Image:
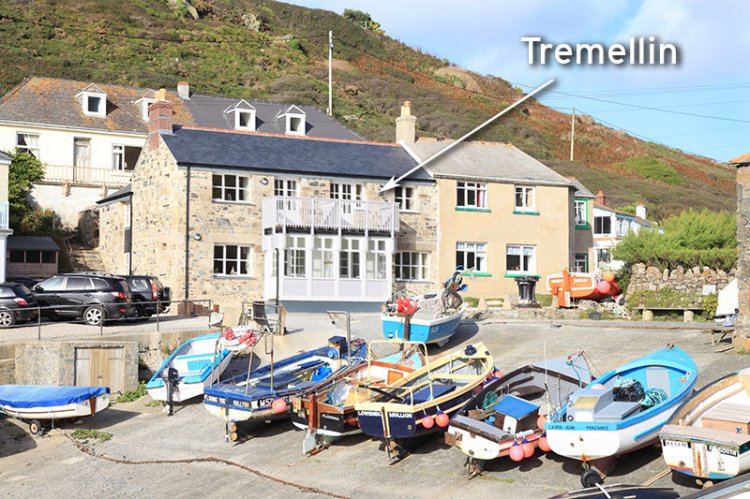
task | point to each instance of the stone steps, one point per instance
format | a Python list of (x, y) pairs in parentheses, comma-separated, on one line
[(86, 259)]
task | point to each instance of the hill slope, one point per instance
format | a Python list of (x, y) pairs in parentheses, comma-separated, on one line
[(267, 50)]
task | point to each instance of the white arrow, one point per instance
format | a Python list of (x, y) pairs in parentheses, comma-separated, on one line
[(394, 182)]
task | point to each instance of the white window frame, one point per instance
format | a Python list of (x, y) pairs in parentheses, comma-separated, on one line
[(34, 151), (237, 260), (603, 217), (577, 267), (101, 112), (476, 189), (584, 220), (522, 253), (323, 258), (238, 190), (350, 262), (295, 257), (121, 155), (339, 191), (145, 102), (376, 260), (415, 263), (238, 119), (302, 124), (525, 192), (479, 251), (404, 196), (285, 187), (606, 252)]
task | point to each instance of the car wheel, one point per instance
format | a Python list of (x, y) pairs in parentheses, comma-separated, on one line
[(93, 316), (7, 318)]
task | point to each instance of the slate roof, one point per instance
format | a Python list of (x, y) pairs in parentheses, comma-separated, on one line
[(581, 191), (52, 101), (41, 243), (4, 158), (491, 161), (283, 154), (115, 196)]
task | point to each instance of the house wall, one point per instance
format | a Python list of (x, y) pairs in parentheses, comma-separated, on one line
[(42, 270), (584, 236), (550, 231), (112, 220), (68, 202)]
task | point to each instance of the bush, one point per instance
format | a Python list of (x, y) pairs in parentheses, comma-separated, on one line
[(132, 395), (652, 169), (25, 169), (362, 19)]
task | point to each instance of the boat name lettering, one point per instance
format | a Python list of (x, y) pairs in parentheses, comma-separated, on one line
[(372, 414), (723, 450), (240, 403), (214, 399), (676, 443), (328, 416), (400, 415)]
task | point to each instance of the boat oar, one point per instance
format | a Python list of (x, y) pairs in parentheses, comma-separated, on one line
[(376, 390)]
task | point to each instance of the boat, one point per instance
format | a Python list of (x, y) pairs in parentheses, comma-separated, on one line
[(431, 317), (620, 490), (736, 487), (621, 410), (38, 405), (568, 286), (198, 363), (708, 436), (326, 411), (423, 401), (265, 393), (506, 413)]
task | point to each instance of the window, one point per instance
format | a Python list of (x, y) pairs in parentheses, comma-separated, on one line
[(471, 195), (139, 284), (295, 264), (95, 104), (525, 198), (100, 284), (285, 187), (581, 262), (28, 142), (323, 258), (520, 259), (33, 256), (295, 124), (602, 255), (232, 260), (411, 266), (349, 259), (231, 188), (472, 256), (244, 120), (17, 256), (78, 284), (351, 192), (375, 263), (582, 215), (82, 152), (404, 198), (144, 107), (118, 157), (52, 284), (603, 225)]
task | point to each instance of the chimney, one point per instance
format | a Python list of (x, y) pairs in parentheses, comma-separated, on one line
[(600, 197), (183, 90), (406, 125), (159, 119), (640, 211)]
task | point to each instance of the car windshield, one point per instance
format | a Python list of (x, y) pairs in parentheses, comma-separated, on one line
[(22, 290), (6, 292)]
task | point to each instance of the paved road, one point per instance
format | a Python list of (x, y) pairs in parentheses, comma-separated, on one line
[(53, 466)]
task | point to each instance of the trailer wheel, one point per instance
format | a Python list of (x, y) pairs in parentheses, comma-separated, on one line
[(590, 478), (36, 428)]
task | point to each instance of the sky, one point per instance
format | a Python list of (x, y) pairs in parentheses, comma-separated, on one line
[(712, 79)]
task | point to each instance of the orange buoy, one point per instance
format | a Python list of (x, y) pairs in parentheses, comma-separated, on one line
[(609, 276), (516, 452), (278, 406), (528, 448), (442, 420), (428, 422), (540, 422), (544, 444)]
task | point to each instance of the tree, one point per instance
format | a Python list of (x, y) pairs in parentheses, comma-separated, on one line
[(25, 169), (363, 19)]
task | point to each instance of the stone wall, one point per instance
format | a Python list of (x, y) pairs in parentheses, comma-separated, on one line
[(650, 278), (743, 247), (111, 236), (418, 231)]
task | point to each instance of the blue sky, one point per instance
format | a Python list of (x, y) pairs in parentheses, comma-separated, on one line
[(713, 78)]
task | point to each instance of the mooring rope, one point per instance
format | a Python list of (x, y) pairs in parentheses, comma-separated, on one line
[(207, 459)]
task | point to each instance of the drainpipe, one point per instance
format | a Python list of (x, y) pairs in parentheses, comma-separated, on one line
[(130, 218), (187, 234), (278, 264)]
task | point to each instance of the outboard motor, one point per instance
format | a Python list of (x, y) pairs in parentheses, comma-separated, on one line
[(170, 376)]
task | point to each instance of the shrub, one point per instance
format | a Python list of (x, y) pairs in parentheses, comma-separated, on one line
[(132, 395), (652, 169), (25, 169), (86, 434), (362, 19)]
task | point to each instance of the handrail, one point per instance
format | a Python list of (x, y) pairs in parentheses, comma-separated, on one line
[(330, 214)]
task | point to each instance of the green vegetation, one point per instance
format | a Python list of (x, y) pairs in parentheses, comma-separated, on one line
[(669, 298), (132, 395), (363, 19), (154, 403), (651, 169), (86, 434), (692, 238), (24, 170)]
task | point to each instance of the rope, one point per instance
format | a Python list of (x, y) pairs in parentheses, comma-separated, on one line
[(207, 459)]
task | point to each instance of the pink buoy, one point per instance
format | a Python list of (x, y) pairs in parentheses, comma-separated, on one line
[(278, 406), (428, 422), (603, 287), (442, 420), (528, 448), (540, 422), (516, 452), (544, 443)]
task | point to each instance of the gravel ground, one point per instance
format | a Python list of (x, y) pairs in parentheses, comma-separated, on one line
[(271, 453)]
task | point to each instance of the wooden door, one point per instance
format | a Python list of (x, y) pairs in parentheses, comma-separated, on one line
[(100, 366)]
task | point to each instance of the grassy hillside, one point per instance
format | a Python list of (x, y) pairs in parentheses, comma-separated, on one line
[(261, 49)]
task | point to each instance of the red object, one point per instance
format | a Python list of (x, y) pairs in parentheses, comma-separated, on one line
[(351, 421), (544, 444), (428, 422), (20, 301), (609, 276), (229, 334), (154, 291), (118, 294), (406, 306), (442, 420), (516, 452), (528, 448), (603, 287), (278, 406)]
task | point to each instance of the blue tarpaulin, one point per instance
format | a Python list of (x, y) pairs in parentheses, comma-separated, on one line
[(515, 407), (25, 396)]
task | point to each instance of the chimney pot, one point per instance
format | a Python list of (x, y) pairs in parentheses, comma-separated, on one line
[(406, 125), (406, 108), (600, 197), (640, 211), (160, 118), (183, 90)]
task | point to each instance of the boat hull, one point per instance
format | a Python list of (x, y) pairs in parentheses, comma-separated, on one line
[(485, 449), (81, 409), (188, 390), (421, 330), (704, 458)]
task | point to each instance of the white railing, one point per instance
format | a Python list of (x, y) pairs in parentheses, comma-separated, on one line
[(86, 175), (4, 215), (329, 214)]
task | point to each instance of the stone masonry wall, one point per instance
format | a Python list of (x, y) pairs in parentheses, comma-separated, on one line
[(112, 219), (419, 231), (650, 278)]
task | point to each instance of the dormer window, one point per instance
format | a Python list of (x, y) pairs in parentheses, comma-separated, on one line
[(244, 115), (144, 107), (93, 101), (294, 120)]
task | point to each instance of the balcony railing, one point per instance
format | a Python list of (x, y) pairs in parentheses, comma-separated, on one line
[(86, 175), (329, 214), (4, 215)]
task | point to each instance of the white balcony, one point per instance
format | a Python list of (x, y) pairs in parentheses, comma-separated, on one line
[(281, 214), (79, 175)]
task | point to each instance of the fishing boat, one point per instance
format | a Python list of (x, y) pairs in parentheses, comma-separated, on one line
[(504, 418), (622, 410), (46, 404), (423, 401), (198, 362), (326, 411), (620, 490), (569, 286), (431, 317), (264, 393), (708, 437)]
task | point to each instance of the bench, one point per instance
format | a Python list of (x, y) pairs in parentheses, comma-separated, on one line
[(688, 313), (719, 334)]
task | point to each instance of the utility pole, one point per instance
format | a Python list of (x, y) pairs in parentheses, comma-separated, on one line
[(330, 73), (572, 132)]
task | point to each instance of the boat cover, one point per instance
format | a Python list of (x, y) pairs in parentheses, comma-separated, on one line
[(25, 396)]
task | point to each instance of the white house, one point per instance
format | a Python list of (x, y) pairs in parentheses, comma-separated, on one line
[(5, 231), (609, 227)]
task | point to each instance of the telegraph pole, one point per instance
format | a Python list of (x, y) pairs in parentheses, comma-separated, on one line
[(572, 132), (330, 73)]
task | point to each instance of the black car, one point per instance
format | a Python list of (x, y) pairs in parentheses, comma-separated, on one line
[(17, 304), (148, 292), (90, 296)]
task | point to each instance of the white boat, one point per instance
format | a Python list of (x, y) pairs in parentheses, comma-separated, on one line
[(199, 363), (51, 403), (708, 435)]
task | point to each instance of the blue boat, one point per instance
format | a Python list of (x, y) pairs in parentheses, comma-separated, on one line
[(622, 410), (265, 393)]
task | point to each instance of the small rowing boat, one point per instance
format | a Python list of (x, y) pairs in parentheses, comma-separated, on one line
[(38, 404)]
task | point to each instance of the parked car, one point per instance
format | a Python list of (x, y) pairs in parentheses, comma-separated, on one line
[(91, 296), (17, 304), (147, 292), (29, 282)]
